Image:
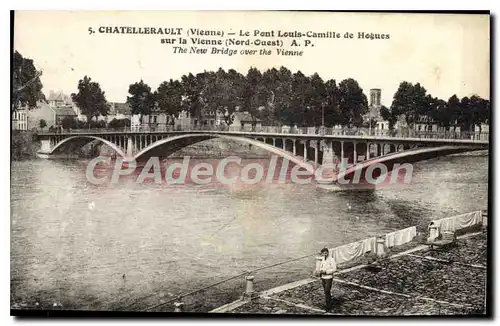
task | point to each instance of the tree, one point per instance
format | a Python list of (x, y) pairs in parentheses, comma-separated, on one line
[(141, 100), (119, 123), (280, 86), (387, 115), (440, 113), (230, 87), (465, 117), (26, 84), (43, 123), (253, 95), (411, 101), (353, 103), (331, 107), (223, 93), (169, 97), (480, 110), (67, 122), (90, 99), (316, 100), (454, 109), (191, 95)]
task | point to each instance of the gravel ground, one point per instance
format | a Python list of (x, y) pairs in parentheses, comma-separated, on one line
[(471, 250), (350, 300), (264, 306), (413, 276)]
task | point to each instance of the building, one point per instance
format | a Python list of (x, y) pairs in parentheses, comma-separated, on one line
[(183, 121), (245, 120), (374, 105), (20, 119), (425, 125), (156, 120), (205, 119), (53, 116), (381, 127), (57, 107), (63, 112), (42, 111), (482, 132), (119, 111)]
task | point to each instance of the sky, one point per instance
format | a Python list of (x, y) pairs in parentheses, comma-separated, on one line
[(447, 53)]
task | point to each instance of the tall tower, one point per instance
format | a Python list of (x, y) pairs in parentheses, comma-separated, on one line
[(375, 97)]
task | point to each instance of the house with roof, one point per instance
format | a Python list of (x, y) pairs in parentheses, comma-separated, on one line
[(62, 112), (245, 120), (57, 107), (240, 120), (119, 111), (156, 120)]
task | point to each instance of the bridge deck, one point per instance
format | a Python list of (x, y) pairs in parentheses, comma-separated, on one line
[(276, 135)]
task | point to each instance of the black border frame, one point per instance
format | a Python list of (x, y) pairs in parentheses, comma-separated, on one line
[(26, 314)]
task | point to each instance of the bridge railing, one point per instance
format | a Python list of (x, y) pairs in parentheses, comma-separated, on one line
[(465, 135)]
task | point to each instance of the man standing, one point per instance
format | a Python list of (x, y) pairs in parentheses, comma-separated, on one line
[(325, 269)]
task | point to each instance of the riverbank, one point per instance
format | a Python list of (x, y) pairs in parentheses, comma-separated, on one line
[(414, 282), (23, 145)]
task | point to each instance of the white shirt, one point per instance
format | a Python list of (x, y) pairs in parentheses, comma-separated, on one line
[(329, 266)]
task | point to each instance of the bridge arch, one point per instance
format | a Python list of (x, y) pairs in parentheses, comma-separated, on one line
[(407, 156), (82, 140), (175, 143)]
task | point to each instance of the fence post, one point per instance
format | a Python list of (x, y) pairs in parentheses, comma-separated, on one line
[(433, 232), (380, 246), (484, 214), (249, 290), (179, 306)]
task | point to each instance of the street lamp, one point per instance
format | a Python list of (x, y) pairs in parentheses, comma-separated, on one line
[(322, 119)]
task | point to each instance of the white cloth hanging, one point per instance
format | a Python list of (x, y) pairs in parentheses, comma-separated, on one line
[(400, 237), (353, 250), (458, 222)]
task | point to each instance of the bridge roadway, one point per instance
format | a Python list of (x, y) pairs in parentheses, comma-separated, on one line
[(307, 150)]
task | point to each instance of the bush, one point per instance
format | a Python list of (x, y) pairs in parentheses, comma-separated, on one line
[(119, 123), (68, 122)]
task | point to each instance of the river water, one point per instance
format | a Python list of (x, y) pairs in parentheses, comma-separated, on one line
[(123, 245)]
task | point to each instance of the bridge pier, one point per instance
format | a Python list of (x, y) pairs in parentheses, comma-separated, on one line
[(328, 175), (46, 145), (129, 146)]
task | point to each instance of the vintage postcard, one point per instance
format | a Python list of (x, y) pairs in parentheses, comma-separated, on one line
[(260, 162)]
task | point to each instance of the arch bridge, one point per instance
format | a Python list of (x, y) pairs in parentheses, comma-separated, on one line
[(310, 151)]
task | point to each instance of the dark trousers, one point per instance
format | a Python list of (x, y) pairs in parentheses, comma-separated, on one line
[(327, 286)]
